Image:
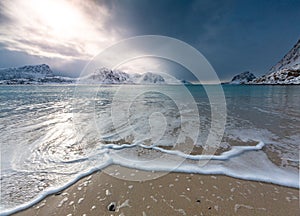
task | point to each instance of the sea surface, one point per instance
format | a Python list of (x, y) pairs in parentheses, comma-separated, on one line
[(52, 135)]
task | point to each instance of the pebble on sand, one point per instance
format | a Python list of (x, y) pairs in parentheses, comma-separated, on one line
[(111, 206)]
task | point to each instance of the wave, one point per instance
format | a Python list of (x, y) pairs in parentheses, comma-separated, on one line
[(50, 144)]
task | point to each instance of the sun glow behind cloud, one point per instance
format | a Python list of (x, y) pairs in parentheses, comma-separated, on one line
[(56, 28)]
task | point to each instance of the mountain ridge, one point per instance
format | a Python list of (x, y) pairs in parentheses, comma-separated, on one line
[(30, 74), (285, 72), (107, 76), (242, 78), (42, 74)]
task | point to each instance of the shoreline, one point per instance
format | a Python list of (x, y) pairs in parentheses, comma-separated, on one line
[(170, 194)]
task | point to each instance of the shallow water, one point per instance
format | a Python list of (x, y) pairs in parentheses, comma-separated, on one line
[(53, 135)]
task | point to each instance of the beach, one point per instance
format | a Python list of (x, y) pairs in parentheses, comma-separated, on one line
[(170, 194), (61, 158)]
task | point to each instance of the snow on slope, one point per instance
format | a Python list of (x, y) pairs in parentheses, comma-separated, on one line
[(26, 72), (286, 71), (283, 76), (107, 76), (242, 78), (30, 74), (290, 61), (42, 74), (148, 78)]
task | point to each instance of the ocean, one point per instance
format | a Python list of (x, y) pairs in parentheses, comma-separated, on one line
[(53, 135)]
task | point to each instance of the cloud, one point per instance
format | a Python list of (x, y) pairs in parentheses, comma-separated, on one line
[(233, 35), (56, 28)]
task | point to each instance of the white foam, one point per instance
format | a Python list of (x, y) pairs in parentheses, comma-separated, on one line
[(244, 162), (52, 190)]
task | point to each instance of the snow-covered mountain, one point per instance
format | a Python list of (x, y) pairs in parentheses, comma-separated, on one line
[(283, 76), (290, 61), (26, 72), (42, 74), (107, 76), (30, 74), (242, 78), (286, 71), (148, 78)]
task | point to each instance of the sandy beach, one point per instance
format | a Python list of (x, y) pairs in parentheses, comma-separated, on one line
[(106, 193)]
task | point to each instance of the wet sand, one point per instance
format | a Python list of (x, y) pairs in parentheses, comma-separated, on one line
[(170, 194)]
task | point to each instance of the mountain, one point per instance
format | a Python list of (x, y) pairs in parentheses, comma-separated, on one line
[(30, 74), (107, 76), (286, 71), (42, 74), (283, 77), (290, 61), (148, 78), (26, 72), (242, 78)]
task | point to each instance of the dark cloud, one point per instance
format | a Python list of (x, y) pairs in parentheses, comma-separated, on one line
[(71, 68), (185, 19), (16, 58), (233, 35), (3, 17)]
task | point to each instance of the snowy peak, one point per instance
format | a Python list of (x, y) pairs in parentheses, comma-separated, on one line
[(286, 71), (37, 69), (108, 76), (42, 74), (149, 78), (26, 72), (290, 61), (30, 74), (243, 78), (105, 75), (283, 76)]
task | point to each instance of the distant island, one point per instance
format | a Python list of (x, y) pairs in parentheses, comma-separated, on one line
[(286, 71)]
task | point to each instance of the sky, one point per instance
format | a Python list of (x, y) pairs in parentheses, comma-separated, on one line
[(233, 35)]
